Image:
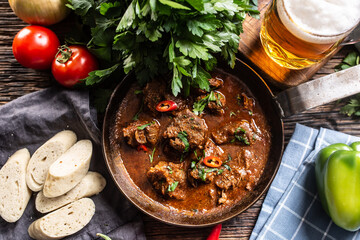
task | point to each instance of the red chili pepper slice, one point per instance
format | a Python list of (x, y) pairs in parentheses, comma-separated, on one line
[(142, 147), (212, 161), (215, 232), (166, 106)]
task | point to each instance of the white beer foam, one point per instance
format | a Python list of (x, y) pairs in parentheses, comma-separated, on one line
[(319, 21)]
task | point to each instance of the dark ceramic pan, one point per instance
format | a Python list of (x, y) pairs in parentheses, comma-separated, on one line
[(274, 114)]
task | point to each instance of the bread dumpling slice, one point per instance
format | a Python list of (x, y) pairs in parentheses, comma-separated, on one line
[(64, 221), (91, 184), (14, 193), (68, 170), (46, 155)]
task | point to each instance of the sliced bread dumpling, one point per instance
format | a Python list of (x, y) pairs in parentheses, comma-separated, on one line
[(46, 155), (68, 170), (14, 193), (93, 183), (64, 221)]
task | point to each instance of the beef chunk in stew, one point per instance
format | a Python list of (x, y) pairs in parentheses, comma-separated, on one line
[(231, 178), (247, 102), (202, 172), (142, 132), (249, 159), (218, 105), (238, 131), (215, 101), (180, 102), (214, 83), (168, 179), (186, 131), (153, 94)]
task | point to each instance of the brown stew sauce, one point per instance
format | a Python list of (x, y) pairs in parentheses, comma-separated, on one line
[(204, 196)]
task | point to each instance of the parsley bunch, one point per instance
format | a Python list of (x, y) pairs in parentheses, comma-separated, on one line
[(154, 37)]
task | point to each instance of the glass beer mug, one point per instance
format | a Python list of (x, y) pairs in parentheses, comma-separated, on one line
[(299, 33)]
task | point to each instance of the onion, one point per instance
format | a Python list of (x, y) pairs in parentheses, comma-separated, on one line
[(40, 12)]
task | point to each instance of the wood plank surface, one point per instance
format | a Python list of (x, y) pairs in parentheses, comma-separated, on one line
[(16, 81), (251, 49)]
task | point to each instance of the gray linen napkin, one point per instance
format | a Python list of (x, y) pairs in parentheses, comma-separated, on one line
[(31, 120)]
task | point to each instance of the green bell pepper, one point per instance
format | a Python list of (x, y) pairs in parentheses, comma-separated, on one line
[(337, 169)]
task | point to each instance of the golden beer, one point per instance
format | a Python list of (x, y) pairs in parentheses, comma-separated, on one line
[(295, 43)]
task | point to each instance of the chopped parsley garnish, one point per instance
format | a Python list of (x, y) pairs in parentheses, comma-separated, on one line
[(240, 136), (136, 92), (220, 171), (193, 164), (200, 105), (172, 186), (250, 113), (142, 127), (227, 167), (197, 157), (170, 169), (218, 96), (240, 130), (151, 156), (232, 114), (203, 172), (242, 139), (183, 137), (228, 159)]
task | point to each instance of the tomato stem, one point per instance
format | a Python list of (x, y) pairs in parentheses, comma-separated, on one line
[(64, 53)]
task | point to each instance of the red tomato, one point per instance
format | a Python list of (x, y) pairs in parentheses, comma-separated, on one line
[(35, 47), (73, 64)]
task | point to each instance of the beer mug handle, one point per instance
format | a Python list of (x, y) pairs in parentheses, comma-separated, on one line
[(320, 91)]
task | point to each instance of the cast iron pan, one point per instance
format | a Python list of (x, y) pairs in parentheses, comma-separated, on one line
[(123, 181)]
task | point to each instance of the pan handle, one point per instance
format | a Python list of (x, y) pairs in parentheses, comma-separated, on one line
[(320, 91)]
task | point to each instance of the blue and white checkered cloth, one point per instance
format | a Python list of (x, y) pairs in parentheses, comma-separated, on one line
[(292, 209)]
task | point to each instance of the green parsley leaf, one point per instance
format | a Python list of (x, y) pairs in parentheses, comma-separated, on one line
[(172, 186), (99, 75), (193, 164), (352, 107), (350, 60), (183, 137), (170, 169), (200, 105), (242, 139), (151, 156), (227, 167), (173, 4), (232, 114), (142, 127)]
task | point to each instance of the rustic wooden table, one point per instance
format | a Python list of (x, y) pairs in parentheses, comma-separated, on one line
[(16, 81)]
